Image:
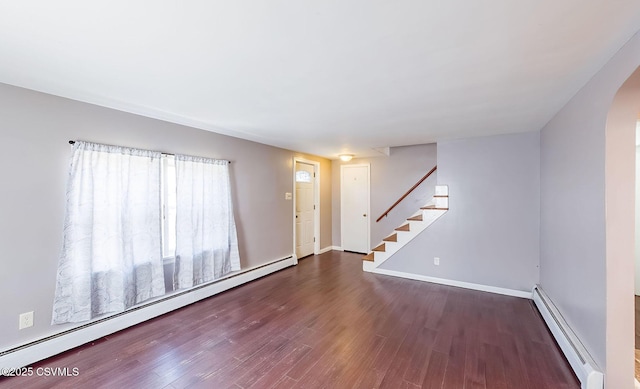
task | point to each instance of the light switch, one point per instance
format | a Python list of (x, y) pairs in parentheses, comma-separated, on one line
[(288, 196)]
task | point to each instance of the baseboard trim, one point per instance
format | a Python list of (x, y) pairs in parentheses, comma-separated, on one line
[(40, 349), (459, 284), (574, 351), (330, 248), (325, 250)]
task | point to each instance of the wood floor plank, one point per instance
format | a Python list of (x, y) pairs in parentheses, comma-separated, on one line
[(313, 357), (454, 373), (335, 360), (408, 350), (325, 323), (234, 371), (495, 369), (361, 361), (474, 369), (513, 368), (389, 350), (258, 369), (435, 371), (417, 366), (282, 366), (285, 383)]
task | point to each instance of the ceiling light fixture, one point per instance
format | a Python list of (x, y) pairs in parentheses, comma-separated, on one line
[(346, 157)]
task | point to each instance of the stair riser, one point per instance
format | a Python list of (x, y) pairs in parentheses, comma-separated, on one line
[(441, 202), (442, 190), (368, 266)]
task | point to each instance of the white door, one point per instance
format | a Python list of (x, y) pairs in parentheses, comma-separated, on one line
[(305, 214), (354, 207)]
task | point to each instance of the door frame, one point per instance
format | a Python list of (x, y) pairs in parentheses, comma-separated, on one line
[(342, 167), (316, 201)]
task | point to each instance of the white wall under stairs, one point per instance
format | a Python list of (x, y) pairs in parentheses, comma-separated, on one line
[(418, 222)]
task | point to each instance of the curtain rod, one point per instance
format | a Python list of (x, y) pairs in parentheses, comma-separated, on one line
[(72, 142)]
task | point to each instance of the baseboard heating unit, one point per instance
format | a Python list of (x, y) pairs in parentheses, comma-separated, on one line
[(581, 362), (37, 350)]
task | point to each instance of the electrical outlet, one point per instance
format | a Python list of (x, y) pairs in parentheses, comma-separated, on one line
[(26, 320), (436, 261)]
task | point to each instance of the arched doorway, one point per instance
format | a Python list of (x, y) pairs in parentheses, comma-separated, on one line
[(620, 153)]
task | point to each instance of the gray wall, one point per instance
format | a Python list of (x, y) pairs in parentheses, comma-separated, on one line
[(391, 177), (490, 235), (34, 130), (573, 259)]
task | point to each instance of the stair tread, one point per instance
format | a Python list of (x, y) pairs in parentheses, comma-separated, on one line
[(391, 238), (380, 248), (434, 208), (403, 228), (417, 218), (368, 257)]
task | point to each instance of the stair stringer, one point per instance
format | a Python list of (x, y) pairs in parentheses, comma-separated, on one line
[(429, 216)]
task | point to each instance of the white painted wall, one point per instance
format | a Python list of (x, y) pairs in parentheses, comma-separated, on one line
[(34, 131), (592, 287), (490, 235)]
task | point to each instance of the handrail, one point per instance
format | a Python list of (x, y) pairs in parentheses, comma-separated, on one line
[(407, 193)]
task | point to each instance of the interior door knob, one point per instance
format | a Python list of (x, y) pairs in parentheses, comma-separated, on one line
[(364, 214)]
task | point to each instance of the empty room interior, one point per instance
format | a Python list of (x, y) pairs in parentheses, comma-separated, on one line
[(320, 194)]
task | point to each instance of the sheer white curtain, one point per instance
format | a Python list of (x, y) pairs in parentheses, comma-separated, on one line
[(206, 244), (112, 252)]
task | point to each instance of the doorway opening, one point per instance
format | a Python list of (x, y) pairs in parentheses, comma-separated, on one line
[(620, 216)]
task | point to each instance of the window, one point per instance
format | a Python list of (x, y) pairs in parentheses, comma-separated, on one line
[(206, 241), (303, 176), (127, 209), (198, 227), (111, 257)]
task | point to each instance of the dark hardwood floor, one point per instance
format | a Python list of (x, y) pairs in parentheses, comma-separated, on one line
[(325, 323)]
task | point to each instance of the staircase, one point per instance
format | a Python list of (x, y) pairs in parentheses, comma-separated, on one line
[(413, 226)]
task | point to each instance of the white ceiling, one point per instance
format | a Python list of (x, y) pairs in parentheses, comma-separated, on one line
[(319, 76)]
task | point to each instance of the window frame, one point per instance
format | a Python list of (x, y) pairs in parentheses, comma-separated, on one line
[(168, 204)]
